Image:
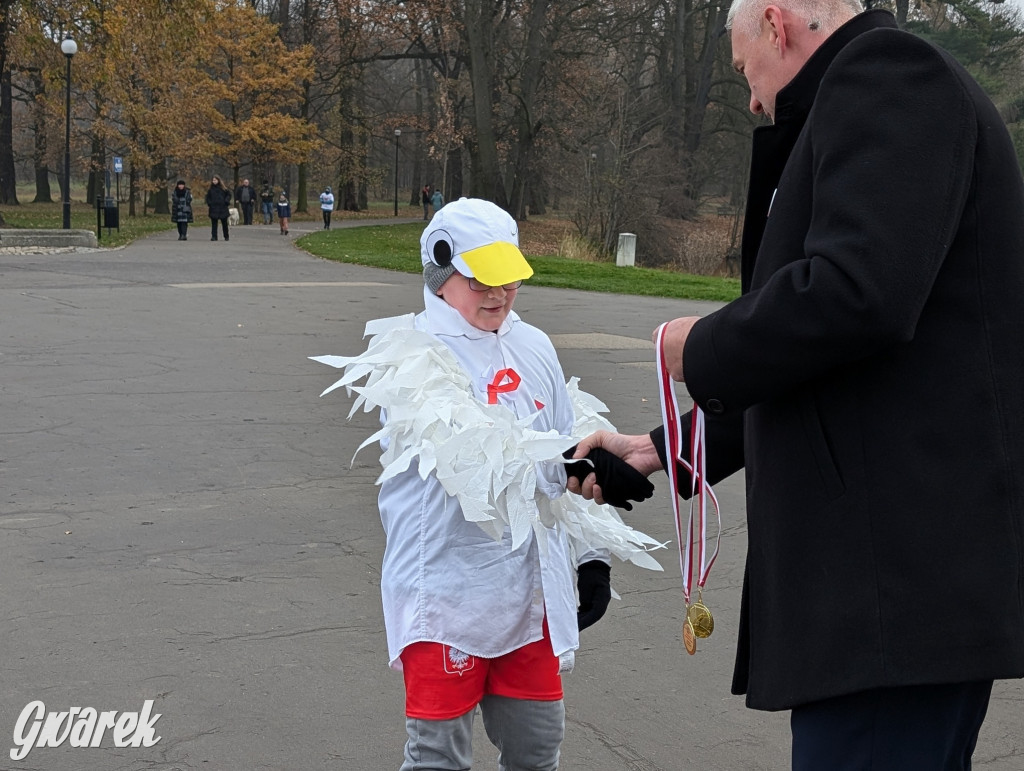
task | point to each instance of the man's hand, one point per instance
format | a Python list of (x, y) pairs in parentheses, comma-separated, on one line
[(637, 451), (676, 333)]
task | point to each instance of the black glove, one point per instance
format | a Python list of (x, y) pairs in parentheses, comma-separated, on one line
[(594, 582), (619, 481)]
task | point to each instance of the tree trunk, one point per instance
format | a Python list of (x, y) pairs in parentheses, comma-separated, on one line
[(133, 188), (535, 58), (902, 8), (453, 181), (479, 32), (418, 180), (363, 198), (39, 140), (698, 103), (284, 20), (8, 181), (302, 195), (97, 169), (161, 199)]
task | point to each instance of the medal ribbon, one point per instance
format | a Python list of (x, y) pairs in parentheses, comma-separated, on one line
[(505, 381), (700, 491)]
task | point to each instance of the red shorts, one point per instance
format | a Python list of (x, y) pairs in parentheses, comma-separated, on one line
[(442, 682)]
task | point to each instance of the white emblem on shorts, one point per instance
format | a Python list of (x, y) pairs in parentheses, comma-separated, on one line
[(456, 662)]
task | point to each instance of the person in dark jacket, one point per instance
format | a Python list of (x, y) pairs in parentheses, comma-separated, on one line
[(245, 196), (425, 197), (267, 202), (181, 208), (218, 199), (869, 381), (284, 212)]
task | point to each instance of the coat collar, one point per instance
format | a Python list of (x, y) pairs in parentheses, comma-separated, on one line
[(795, 99), (773, 143), (445, 321)]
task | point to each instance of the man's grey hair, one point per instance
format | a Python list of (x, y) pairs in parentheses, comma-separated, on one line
[(824, 16)]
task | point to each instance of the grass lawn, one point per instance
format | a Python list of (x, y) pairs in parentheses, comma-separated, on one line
[(83, 217), (397, 247)]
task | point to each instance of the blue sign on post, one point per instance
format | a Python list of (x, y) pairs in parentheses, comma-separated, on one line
[(118, 166)]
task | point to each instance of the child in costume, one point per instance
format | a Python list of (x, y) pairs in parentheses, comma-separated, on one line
[(477, 580)]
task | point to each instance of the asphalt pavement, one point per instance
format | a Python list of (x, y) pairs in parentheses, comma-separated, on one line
[(180, 526)]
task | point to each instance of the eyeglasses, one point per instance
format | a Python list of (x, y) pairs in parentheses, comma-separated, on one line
[(477, 286)]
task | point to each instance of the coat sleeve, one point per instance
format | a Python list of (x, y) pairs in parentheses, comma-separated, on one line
[(892, 135), (724, 440)]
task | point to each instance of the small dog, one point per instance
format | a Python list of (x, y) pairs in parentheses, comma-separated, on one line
[(232, 215)]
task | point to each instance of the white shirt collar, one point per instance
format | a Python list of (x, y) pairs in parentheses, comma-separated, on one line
[(444, 320)]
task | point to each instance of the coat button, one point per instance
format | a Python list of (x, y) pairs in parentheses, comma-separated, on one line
[(715, 407)]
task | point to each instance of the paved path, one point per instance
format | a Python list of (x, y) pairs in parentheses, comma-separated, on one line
[(179, 523)]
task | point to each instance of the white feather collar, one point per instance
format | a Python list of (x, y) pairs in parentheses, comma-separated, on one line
[(481, 454)]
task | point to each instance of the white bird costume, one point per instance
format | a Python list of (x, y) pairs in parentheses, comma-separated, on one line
[(472, 496)]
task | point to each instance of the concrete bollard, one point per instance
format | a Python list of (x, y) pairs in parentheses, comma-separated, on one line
[(626, 253)]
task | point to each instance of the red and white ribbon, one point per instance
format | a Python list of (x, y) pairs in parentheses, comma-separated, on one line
[(700, 491), (505, 381)]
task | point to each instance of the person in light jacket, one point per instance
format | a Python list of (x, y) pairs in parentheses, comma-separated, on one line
[(327, 206)]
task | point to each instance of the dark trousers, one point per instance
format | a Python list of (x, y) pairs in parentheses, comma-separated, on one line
[(182, 229), (224, 225), (925, 727), (327, 218), (247, 207)]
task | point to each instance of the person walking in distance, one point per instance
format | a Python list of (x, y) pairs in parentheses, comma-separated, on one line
[(284, 212), (218, 199), (245, 195), (425, 196), (181, 208), (327, 206), (267, 202)]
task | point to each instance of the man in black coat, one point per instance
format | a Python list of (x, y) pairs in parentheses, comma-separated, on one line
[(245, 196), (870, 380)]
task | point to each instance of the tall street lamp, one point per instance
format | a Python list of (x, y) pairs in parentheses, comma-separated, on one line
[(398, 133), (69, 47)]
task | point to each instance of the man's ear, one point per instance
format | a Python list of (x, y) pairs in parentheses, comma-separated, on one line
[(774, 21)]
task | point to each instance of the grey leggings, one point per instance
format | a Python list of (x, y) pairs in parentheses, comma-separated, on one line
[(528, 735)]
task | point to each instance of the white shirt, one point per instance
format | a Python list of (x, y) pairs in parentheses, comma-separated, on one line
[(443, 579), (327, 201)]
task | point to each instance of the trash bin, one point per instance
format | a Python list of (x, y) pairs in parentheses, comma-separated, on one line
[(111, 214)]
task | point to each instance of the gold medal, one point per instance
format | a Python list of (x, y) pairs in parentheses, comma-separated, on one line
[(700, 618), (689, 640)]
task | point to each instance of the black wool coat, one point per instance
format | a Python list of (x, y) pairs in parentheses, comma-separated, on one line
[(218, 198), (871, 379)]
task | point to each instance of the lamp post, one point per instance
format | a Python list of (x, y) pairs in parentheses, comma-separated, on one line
[(69, 48), (398, 133)]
